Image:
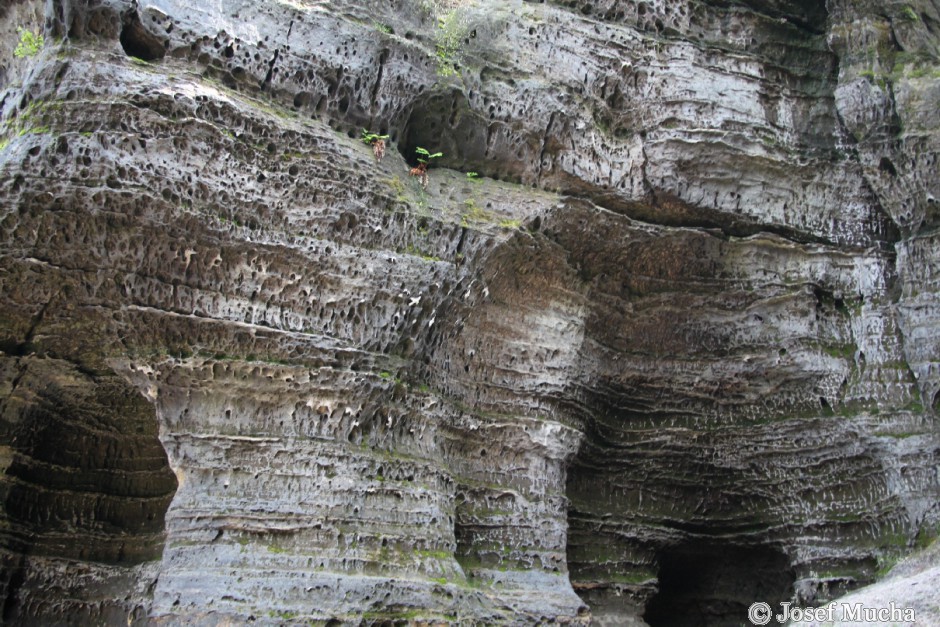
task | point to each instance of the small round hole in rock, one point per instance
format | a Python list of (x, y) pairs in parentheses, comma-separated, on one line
[(887, 167)]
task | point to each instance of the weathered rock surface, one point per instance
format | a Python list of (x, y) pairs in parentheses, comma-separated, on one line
[(908, 587), (672, 351)]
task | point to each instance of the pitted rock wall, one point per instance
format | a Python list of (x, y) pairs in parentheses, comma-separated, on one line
[(683, 313)]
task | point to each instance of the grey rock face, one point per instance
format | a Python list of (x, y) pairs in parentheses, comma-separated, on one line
[(907, 589), (684, 314)]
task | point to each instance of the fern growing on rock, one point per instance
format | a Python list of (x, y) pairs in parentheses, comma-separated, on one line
[(421, 170)]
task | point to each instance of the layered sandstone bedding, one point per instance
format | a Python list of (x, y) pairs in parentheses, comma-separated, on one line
[(658, 340)]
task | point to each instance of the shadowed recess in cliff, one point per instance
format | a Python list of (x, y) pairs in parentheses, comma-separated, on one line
[(138, 42), (706, 582), (86, 481), (445, 121)]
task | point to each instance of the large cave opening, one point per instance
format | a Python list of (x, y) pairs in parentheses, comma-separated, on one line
[(85, 488), (705, 582)]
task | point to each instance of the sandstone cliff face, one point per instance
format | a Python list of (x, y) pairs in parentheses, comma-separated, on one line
[(673, 350)]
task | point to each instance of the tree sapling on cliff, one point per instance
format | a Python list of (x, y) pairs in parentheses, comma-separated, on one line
[(376, 141), (421, 171)]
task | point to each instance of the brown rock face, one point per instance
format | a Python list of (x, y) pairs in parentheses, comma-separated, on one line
[(658, 340)]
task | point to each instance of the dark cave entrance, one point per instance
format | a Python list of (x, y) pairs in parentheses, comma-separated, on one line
[(444, 121), (705, 583), (430, 125), (138, 42), (87, 482)]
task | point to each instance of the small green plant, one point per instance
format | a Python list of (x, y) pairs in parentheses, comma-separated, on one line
[(474, 213), (417, 252), (424, 160), (30, 43), (473, 176), (909, 14), (451, 30), (376, 141), (398, 188)]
